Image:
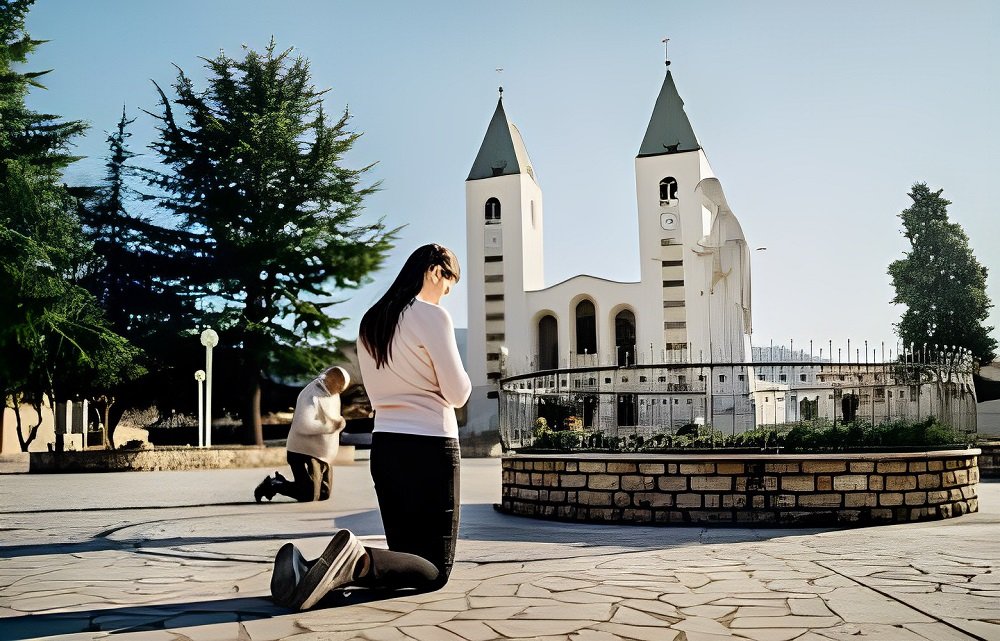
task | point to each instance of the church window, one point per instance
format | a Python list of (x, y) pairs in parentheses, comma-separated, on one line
[(586, 328), (548, 343), (625, 337), (668, 189), (492, 211)]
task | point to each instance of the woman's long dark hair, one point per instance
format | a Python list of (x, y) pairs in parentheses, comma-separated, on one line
[(378, 325)]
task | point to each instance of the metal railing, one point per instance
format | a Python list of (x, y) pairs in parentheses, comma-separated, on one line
[(737, 396)]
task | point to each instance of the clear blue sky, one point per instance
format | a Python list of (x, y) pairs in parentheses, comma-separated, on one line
[(817, 118)]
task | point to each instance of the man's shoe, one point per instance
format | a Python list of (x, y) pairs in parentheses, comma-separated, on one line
[(333, 569), (289, 568), (264, 489)]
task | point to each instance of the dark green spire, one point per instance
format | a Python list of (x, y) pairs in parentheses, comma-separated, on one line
[(669, 129), (502, 152)]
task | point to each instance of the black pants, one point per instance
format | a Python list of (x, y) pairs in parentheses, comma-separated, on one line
[(312, 479), (417, 483)]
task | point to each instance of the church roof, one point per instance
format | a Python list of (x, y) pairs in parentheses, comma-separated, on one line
[(669, 129), (503, 152)]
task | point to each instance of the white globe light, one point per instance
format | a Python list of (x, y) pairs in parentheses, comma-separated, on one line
[(199, 375), (209, 338)]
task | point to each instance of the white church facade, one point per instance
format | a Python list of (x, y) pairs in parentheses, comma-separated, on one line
[(691, 304)]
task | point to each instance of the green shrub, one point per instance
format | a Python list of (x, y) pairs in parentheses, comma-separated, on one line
[(561, 440), (813, 436)]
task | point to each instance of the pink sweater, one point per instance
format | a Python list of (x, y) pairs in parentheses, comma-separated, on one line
[(417, 391)]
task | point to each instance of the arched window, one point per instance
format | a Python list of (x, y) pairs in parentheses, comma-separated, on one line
[(625, 337), (492, 211), (548, 342), (586, 328), (668, 188)]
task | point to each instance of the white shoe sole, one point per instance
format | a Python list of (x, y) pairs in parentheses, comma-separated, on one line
[(334, 568)]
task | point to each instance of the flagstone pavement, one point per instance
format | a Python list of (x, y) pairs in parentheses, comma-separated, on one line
[(177, 556)]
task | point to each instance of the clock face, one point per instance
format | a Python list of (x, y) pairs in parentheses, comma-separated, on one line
[(668, 221)]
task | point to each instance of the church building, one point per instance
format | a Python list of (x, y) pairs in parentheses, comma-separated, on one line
[(691, 304)]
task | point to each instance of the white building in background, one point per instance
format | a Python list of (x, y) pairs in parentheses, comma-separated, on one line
[(691, 304)]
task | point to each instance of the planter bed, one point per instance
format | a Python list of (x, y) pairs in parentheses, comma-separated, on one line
[(826, 489)]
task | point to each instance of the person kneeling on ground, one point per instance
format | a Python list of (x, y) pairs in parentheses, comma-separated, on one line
[(313, 441), (414, 378)]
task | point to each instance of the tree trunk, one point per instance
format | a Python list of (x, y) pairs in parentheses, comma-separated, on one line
[(252, 428), (33, 431), (17, 418), (103, 405)]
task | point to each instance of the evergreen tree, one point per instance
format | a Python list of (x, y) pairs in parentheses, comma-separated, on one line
[(256, 168), (130, 274), (54, 341), (939, 280)]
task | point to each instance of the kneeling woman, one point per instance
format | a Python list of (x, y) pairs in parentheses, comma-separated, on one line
[(414, 377)]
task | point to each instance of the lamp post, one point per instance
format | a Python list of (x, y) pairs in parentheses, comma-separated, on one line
[(200, 377), (209, 338)]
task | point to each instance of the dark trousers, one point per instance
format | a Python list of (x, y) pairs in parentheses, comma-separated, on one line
[(312, 479), (417, 483)]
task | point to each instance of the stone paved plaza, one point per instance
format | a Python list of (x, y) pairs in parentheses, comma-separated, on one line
[(174, 556)]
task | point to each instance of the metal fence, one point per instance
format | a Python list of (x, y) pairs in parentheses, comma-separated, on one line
[(737, 396)]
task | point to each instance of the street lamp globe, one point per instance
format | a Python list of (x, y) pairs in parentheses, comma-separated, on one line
[(199, 375), (209, 338)]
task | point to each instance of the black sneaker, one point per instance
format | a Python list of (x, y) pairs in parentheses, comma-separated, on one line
[(333, 569), (264, 490), (289, 568)]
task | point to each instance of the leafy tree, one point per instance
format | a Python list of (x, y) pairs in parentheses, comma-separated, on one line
[(256, 168), (53, 339), (940, 281)]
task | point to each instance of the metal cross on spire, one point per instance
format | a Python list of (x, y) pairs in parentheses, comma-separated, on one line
[(500, 71), (666, 56)]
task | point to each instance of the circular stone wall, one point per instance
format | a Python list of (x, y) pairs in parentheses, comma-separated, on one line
[(742, 489)]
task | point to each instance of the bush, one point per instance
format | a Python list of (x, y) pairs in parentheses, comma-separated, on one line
[(561, 440), (815, 436)]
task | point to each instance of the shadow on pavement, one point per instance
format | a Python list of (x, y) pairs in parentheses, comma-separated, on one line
[(481, 522), (145, 618), (101, 544), (138, 618)]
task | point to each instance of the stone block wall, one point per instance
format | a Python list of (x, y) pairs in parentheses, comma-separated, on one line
[(787, 489), (167, 458)]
